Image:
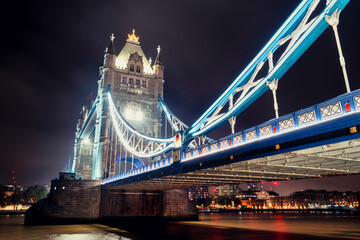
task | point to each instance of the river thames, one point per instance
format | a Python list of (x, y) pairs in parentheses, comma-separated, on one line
[(216, 226)]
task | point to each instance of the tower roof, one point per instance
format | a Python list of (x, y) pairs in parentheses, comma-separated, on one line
[(132, 45)]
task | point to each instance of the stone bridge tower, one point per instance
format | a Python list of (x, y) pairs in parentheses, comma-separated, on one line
[(135, 85)]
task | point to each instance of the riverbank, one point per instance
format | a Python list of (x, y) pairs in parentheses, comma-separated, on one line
[(12, 212)]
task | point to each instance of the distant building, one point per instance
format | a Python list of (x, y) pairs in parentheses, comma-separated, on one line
[(226, 190), (198, 192), (322, 198), (255, 198)]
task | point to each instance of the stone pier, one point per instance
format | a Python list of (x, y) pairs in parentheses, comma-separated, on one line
[(84, 201)]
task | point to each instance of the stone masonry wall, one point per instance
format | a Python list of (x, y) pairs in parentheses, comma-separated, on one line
[(76, 198), (177, 205), (126, 203), (85, 200), (172, 204)]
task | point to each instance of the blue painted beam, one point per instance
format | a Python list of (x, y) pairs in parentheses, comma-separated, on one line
[(291, 56), (319, 128)]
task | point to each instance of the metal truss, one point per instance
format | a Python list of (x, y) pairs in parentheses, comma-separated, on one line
[(284, 48), (335, 159), (175, 123), (134, 141), (178, 126)]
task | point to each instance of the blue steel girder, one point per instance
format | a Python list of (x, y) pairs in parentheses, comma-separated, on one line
[(299, 32), (334, 121), (178, 126)]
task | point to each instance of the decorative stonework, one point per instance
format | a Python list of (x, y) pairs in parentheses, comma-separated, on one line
[(213, 146), (224, 144), (131, 79), (357, 101), (265, 130), (237, 139), (205, 150), (132, 37), (286, 124), (307, 117), (250, 135), (331, 110)]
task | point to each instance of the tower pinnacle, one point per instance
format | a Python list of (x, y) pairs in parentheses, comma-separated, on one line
[(158, 59), (110, 48), (112, 37), (133, 38)]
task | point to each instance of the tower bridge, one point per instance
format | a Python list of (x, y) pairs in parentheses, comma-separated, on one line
[(123, 139), (319, 141), (140, 164)]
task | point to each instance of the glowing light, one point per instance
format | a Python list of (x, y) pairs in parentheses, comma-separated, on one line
[(86, 141), (133, 115), (133, 37), (161, 148)]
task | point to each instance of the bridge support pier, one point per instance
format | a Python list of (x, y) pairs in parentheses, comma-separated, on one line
[(83, 201)]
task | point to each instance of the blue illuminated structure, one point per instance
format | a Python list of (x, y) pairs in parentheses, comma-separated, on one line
[(299, 32), (329, 122), (292, 39)]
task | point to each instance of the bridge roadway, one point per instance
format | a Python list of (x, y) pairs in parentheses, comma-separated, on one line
[(319, 141)]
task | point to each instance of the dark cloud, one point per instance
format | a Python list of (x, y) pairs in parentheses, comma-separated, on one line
[(51, 53)]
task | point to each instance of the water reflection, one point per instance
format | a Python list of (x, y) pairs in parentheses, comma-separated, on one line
[(320, 224), (85, 236), (213, 226), (11, 227)]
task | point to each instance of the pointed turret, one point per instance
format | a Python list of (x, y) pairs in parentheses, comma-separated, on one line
[(110, 48), (158, 65), (158, 57), (159, 74), (109, 58)]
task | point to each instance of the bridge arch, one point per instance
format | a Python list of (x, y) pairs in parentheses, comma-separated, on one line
[(136, 162)]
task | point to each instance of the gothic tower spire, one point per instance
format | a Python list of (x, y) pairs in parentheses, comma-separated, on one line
[(159, 73), (158, 57), (109, 58), (110, 48)]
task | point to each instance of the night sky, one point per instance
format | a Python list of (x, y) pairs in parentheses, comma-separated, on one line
[(52, 50)]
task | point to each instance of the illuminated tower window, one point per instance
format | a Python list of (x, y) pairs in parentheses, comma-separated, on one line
[(131, 67)]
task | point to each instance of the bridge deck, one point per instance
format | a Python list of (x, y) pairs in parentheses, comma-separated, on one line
[(326, 160), (322, 140)]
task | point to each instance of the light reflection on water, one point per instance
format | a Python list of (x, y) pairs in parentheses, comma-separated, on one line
[(11, 228), (320, 224), (246, 225), (85, 236)]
